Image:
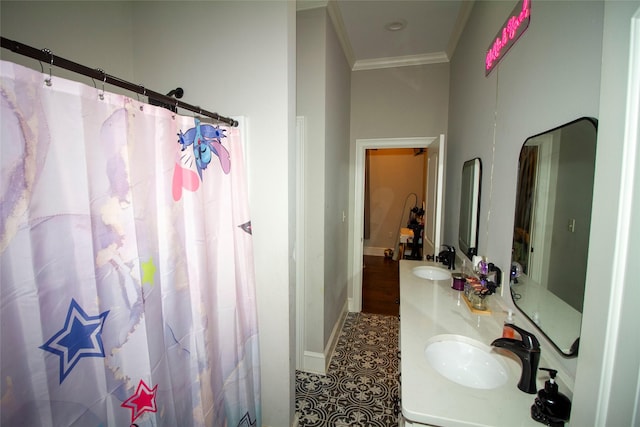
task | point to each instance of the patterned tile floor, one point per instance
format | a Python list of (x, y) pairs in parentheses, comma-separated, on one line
[(361, 385)]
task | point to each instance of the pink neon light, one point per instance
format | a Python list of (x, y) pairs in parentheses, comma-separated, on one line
[(509, 33)]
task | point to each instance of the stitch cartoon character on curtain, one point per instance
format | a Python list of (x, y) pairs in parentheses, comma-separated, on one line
[(127, 286)]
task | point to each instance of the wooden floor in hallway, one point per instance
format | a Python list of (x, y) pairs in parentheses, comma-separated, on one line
[(380, 285)]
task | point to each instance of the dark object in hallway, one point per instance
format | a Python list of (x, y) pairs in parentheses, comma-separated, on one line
[(380, 286)]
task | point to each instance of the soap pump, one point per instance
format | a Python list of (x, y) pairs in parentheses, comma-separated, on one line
[(551, 407)]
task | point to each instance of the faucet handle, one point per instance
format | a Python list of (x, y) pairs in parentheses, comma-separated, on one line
[(528, 339)]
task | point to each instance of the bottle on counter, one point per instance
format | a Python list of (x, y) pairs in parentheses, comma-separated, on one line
[(551, 407), (508, 332)]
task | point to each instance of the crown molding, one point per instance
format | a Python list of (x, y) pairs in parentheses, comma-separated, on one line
[(461, 22), (372, 64), (338, 24), (400, 61), (310, 4)]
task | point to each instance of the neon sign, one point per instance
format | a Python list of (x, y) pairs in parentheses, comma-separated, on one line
[(512, 29)]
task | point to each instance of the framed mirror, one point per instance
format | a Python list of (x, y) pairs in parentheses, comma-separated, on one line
[(551, 230), (470, 207)]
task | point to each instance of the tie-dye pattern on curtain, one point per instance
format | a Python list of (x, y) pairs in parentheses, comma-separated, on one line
[(127, 293)]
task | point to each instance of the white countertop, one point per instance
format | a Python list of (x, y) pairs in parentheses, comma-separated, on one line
[(429, 308)]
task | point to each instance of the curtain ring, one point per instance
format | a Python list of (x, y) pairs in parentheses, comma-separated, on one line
[(48, 81)]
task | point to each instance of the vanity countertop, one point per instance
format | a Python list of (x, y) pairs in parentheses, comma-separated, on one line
[(430, 308)]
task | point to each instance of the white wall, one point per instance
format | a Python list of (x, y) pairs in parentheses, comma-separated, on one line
[(607, 384), (323, 79), (235, 58), (400, 102), (311, 83), (533, 89), (107, 32), (336, 175)]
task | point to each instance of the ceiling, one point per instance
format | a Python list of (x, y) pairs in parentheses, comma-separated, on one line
[(430, 32)]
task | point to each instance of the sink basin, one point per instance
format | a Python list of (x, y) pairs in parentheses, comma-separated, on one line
[(466, 361), (431, 273)]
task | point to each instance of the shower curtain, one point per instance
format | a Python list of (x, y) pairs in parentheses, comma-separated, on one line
[(127, 290)]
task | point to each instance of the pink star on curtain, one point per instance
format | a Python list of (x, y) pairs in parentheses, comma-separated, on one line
[(144, 400)]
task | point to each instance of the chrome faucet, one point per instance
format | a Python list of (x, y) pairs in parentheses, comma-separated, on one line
[(528, 350)]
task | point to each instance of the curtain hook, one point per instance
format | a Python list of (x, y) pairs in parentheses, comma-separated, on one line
[(104, 80), (48, 81), (144, 93), (138, 92)]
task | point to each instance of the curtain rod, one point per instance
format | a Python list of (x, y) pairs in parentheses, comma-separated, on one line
[(48, 57)]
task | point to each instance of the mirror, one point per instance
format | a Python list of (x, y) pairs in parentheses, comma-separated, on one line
[(470, 207), (551, 230)]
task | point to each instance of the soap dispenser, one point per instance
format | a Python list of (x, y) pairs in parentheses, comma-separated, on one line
[(551, 407)]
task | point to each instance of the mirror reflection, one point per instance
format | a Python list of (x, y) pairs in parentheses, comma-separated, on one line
[(470, 207), (551, 229)]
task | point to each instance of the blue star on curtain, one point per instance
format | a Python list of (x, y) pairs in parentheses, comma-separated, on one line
[(81, 336)]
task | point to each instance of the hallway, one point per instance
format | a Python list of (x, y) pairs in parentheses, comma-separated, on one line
[(380, 286)]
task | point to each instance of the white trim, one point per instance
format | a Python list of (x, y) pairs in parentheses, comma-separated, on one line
[(357, 220), (310, 4), (400, 61), (374, 251), (299, 251), (319, 362), (377, 63), (619, 308), (458, 28), (314, 362), (343, 37), (335, 334)]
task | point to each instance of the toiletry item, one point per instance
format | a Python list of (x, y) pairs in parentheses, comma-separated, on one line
[(458, 281), (508, 332), (551, 407), (467, 288), (475, 261), (478, 300), (480, 266), (483, 268), (472, 284)]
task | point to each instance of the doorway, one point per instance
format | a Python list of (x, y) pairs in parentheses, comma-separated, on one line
[(395, 187), (435, 229)]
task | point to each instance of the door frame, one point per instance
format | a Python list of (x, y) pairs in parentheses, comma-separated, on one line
[(362, 145), (300, 248)]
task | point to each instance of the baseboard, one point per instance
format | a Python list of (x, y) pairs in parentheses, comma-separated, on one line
[(318, 363), (314, 362), (335, 334), (373, 251)]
